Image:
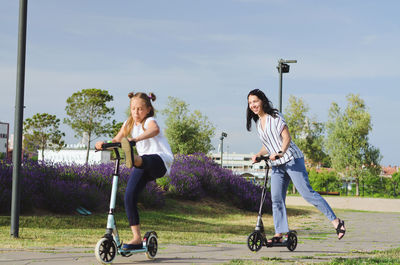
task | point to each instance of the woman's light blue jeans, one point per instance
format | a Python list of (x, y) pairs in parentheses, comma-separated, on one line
[(296, 171)]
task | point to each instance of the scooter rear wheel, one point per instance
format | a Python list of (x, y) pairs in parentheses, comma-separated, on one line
[(152, 246), (255, 241), (292, 241), (105, 250)]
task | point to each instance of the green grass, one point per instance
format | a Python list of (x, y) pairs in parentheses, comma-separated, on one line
[(391, 257), (179, 222)]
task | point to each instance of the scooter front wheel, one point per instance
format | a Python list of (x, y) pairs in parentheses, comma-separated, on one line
[(105, 250), (152, 246), (255, 241), (292, 241)]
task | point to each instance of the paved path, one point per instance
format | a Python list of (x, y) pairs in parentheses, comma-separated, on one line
[(352, 203), (366, 231)]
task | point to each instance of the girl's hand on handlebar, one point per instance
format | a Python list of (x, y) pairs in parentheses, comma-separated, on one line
[(98, 145)]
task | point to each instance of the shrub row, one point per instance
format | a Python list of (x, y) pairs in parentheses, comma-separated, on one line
[(61, 188), (196, 176)]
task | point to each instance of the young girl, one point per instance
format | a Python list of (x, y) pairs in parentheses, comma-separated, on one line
[(287, 163), (154, 160)]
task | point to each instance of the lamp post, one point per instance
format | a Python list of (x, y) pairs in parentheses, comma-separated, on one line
[(283, 67), (223, 135), (19, 103)]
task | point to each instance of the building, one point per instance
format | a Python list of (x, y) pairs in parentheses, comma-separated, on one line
[(241, 164), (75, 154), (4, 135), (388, 171)]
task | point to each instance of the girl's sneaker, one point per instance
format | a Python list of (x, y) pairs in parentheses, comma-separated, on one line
[(129, 152)]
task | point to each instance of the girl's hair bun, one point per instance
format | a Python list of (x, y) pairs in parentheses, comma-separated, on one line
[(152, 96), (144, 96)]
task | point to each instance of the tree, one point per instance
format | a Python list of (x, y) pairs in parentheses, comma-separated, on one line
[(347, 140), (187, 133), (395, 183), (306, 133), (324, 180), (88, 114), (42, 132)]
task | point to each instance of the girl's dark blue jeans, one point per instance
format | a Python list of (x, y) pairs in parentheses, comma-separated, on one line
[(152, 168)]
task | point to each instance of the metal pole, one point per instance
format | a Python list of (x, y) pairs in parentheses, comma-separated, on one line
[(222, 148), (18, 120), (280, 63), (280, 86)]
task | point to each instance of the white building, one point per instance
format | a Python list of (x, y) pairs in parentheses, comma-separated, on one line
[(75, 154), (4, 131), (241, 164)]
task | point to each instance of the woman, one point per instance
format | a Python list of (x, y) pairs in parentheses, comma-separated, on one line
[(154, 160), (287, 163)]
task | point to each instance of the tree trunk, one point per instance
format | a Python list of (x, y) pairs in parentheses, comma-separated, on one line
[(42, 154), (357, 187), (87, 149)]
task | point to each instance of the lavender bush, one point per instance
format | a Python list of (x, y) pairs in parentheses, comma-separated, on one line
[(61, 188), (195, 176)]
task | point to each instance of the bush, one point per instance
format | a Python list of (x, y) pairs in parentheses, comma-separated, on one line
[(195, 176), (324, 180), (152, 196), (61, 188)]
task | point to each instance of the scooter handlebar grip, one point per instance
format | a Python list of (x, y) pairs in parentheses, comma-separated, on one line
[(110, 145), (260, 158)]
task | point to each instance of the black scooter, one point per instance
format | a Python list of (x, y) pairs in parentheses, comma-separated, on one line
[(257, 239)]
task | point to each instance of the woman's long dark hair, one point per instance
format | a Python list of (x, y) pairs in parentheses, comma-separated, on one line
[(267, 107)]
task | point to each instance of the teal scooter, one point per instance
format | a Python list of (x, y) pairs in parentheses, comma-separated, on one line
[(110, 245)]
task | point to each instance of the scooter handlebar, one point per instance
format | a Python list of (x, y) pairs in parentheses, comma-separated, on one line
[(106, 146), (260, 158), (265, 158)]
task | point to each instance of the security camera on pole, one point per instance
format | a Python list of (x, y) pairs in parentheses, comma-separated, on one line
[(283, 67)]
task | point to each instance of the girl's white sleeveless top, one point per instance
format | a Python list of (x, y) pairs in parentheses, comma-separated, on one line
[(154, 145)]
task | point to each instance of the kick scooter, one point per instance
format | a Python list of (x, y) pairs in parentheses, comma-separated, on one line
[(257, 239), (110, 245)]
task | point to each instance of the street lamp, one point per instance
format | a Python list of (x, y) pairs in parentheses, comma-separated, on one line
[(19, 117), (283, 67), (223, 135)]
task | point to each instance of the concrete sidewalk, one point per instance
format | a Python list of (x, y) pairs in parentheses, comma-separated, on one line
[(352, 203), (366, 231)]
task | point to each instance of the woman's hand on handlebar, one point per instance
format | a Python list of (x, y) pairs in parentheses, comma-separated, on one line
[(254, 159), (275, 156)]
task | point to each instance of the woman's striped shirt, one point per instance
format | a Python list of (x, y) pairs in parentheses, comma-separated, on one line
[(272, 140)]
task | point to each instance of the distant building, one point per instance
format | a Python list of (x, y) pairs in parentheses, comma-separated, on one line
[(388, 171), (4, 138), (241, 164), (75, 154)]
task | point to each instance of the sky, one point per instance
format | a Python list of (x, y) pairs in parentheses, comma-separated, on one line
[(210, 54)]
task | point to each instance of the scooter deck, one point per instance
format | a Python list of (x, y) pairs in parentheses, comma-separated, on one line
[(278, 244), (121, 251)]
